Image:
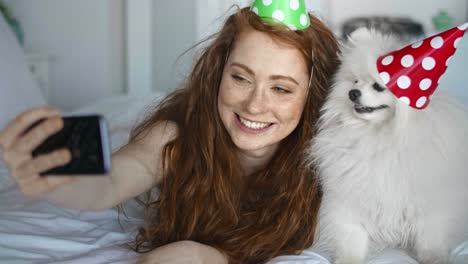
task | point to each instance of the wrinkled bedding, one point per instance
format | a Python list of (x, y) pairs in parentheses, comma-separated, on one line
[(39, 232)]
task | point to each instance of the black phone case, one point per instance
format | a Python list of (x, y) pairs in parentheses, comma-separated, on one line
[(87, 139)]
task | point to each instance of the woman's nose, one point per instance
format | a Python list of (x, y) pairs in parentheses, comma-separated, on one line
[(256, 102)]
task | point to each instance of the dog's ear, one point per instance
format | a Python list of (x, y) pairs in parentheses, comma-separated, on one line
[(360, 34)]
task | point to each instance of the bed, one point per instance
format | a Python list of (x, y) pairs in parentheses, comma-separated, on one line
[(41, 232)]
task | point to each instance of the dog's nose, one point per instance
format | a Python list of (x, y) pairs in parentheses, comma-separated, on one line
[(354, 94)]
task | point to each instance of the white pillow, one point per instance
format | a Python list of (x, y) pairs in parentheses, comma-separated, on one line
[(18, 91), (121, 113)]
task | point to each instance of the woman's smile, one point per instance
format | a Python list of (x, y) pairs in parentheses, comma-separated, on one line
[(251, 127)]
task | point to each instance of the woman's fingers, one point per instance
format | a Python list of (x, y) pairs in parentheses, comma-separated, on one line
[(17, 141), (41, 163), (39, 134), (34, 186), (23, 121)]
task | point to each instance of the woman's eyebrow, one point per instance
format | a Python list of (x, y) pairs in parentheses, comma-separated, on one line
[(244, 67), (282, 77), (272, 77)]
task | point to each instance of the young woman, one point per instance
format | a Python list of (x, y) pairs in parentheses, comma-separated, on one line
[(227, 151)]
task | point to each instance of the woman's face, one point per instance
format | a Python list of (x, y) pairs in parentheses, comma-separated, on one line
[(262, 93)]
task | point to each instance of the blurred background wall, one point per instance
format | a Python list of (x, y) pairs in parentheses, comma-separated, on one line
[(94, 50), (82, 42)]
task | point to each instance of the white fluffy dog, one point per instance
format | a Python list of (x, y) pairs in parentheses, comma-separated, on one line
[(392, 176)]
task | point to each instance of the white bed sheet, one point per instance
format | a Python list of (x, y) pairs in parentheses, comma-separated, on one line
[(40, 232)]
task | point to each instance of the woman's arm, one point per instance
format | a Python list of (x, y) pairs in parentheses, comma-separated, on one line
[(136, 168), (184, 252)]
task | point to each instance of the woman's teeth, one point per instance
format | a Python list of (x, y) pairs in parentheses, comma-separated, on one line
[(253, 125)]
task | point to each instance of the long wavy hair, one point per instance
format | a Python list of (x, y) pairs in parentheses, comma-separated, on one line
[(204, 196)]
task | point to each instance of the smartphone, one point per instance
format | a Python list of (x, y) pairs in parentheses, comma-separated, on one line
[(86, 137)]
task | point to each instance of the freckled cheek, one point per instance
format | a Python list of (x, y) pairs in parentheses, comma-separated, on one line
[(224, 109), (229, 97), (223, 95), (290, 112)]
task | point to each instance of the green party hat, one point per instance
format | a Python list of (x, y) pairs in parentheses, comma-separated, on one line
[(292, 13)]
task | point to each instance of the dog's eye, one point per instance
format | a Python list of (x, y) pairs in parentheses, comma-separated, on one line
[(356, 81), (378, 88)]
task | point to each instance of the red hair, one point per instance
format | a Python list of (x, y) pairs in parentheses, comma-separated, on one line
[(203, 195)]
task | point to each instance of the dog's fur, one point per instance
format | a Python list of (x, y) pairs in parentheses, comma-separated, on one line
[(393, 178)]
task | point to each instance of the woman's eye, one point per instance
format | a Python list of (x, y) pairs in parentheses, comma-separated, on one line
[(378, 88), (238, 78), (281, 90)]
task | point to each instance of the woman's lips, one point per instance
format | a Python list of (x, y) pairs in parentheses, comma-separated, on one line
[(244, 127)]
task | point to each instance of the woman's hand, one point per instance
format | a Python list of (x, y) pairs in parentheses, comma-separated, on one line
[(16, 148), (183, 252)]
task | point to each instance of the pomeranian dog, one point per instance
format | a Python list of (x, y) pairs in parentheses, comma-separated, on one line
[(392, 176)]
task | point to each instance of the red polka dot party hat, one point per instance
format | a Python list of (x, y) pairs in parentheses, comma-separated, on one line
[(413, 73)]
